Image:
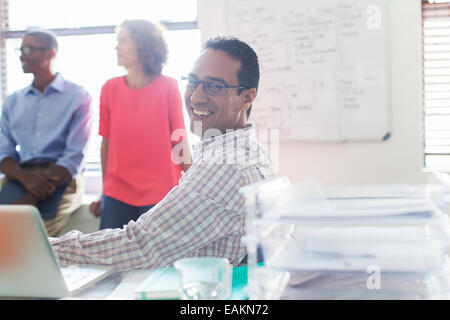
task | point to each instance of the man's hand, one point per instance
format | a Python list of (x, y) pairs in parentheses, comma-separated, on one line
[(95, 207), (38, 184), (59, 176)]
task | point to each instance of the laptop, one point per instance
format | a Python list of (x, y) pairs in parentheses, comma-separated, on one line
[(28, 266)]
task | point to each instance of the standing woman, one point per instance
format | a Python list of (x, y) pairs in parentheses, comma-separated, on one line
[(139, 114)]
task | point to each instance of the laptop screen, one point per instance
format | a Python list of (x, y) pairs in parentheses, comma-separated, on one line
[(28, 267)]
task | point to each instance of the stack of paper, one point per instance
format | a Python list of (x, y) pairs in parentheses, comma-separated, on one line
[(318, 235), (355, 249), (366, 202), (398, 228)]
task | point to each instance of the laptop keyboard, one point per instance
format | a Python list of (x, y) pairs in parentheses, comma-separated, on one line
[(78, 277)]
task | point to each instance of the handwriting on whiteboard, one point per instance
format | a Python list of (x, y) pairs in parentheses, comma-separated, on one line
[(323, 66)]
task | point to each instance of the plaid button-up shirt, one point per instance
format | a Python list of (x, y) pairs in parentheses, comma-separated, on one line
[(203, 216)]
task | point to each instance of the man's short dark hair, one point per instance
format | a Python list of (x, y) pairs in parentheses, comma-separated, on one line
[(248, 74), (46, 37)]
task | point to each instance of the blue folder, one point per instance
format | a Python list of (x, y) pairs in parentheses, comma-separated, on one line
[(163, 283)]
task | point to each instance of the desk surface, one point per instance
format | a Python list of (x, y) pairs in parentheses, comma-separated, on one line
[(118, 285), (324, 286), (354, 286)]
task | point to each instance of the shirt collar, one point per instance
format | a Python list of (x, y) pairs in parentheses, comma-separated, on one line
[(57, 84), (203, 148)]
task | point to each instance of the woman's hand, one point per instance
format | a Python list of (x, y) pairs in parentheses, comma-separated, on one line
[(95, 207)]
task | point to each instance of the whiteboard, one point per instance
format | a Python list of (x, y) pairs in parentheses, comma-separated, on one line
[(323, 64)]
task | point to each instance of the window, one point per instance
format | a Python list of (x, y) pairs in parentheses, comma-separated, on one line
[(87, 40), (436, 75), (53, 13)]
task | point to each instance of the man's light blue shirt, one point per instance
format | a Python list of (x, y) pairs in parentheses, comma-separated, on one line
[(53, 125)]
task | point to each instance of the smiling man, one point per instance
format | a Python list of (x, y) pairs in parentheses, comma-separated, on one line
[(222, 100), (44, 133), (204, 215)]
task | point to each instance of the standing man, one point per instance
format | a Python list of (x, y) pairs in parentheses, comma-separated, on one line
[(44, 133), (204, 215)]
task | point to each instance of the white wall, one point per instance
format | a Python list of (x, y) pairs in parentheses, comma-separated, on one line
[(400, 158), (397, 160)]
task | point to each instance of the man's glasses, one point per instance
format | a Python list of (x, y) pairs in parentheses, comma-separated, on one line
[(26, 50), (211, 87)]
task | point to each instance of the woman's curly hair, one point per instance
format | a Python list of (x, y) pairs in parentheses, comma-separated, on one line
[(152, 49)]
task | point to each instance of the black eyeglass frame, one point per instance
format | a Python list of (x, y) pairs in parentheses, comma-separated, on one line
[(207, 85), (28, 49)]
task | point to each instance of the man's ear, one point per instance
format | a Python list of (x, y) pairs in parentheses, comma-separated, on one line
[(51, 54), (249, 96)]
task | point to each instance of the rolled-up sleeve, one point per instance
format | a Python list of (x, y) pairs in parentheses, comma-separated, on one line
[(7, 142), (196, 218), (78, 136), (204, 216)]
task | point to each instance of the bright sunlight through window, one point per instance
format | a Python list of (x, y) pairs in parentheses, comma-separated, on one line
[(89, 59)]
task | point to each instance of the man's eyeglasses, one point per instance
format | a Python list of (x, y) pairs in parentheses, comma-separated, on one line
[(29, 49), (210, 86)]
